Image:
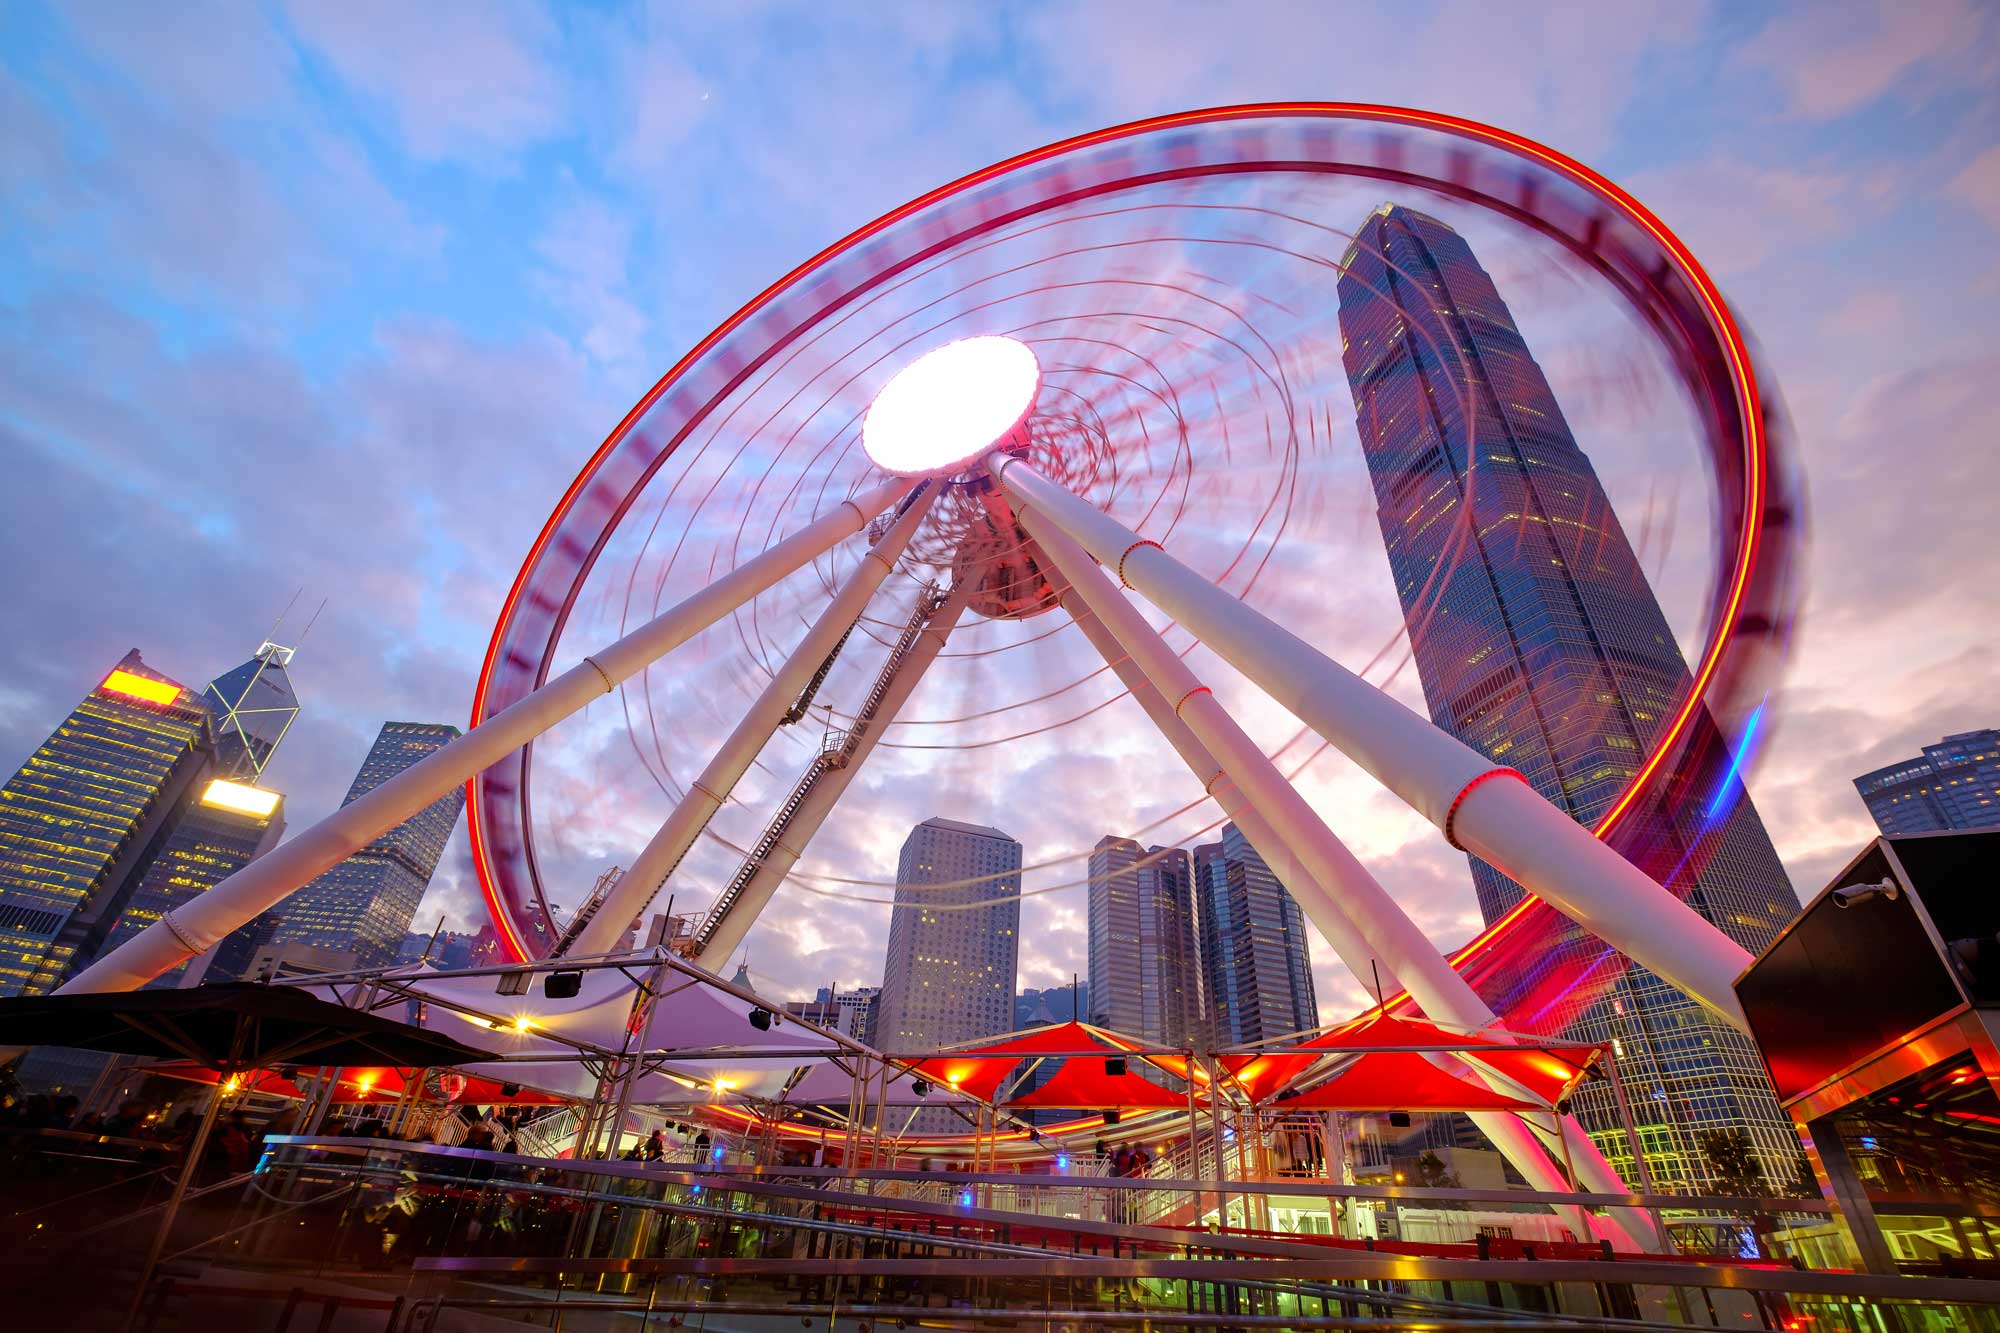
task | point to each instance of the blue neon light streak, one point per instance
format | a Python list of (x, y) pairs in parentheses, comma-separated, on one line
[(1736, 760)]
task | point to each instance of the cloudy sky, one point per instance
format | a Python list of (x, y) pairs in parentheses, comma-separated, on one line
[(338, 297)]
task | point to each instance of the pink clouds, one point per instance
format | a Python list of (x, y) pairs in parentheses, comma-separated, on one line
[(1979, 185), (1493, 64), (1736, 215), (1832, 63)]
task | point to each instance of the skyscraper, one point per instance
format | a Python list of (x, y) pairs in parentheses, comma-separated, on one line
[(953, 938), (233, 820), (848, 1012), (228, 826), (1256, 974), (254, 705), (1145, 977), (1539, 643), (1954, 784), (365, 904), (217, 833), (85, 814)]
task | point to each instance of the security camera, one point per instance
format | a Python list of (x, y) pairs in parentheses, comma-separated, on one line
[(1888, 890)]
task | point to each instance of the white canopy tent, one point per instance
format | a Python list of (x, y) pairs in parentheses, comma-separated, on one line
[(683, 1035)]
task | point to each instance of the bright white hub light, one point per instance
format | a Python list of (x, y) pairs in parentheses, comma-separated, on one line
[(950, 405)]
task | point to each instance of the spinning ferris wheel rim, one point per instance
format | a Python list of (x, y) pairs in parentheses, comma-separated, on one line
[(1742, 546)]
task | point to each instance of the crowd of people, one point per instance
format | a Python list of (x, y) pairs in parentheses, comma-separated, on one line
[(140, 1131), (654, 1147), (131, 1120)]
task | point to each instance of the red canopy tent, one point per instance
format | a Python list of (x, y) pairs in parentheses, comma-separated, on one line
[(1265, 1073), (1547, 1075), (1084, 1084), (1177, 1065), (1401, 1081), (358, 1086), (980, 1071)]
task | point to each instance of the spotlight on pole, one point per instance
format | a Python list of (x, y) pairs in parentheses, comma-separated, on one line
[(920, 1087), (1114, 1066), (761, 1019), (562, 985), (1110, 1117)]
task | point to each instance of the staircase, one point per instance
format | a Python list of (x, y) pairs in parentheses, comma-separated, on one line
[(549, 1135), (835, 752), (804, 701), (598, 893)]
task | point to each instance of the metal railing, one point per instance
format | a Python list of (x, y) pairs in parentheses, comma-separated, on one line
[(503, 1235)]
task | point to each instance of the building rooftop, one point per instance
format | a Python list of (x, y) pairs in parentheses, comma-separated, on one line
[(959, 826)]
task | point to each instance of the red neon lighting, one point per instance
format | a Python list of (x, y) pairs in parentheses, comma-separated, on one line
[(1749, 408), (1466, 791)]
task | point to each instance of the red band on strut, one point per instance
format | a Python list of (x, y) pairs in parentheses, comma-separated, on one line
[(1199, 689), (1466, 791), (1128, 552)]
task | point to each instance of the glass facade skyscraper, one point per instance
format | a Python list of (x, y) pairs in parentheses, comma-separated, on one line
[(253, 705), (1145, 974), (954, 938), (1256, 974), (1539, 643), (229, 825), (365, 904), (954, 943), (1954, 784), (85, 814), (232, 820)]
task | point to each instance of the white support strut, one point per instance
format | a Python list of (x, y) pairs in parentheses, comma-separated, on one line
[(649, 870), (1358, 917), (819, 802), (1505, 822), (199, 924)]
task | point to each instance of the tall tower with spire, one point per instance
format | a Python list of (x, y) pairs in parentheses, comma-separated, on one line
[(254, 705), (1539, 642), (235, 818)]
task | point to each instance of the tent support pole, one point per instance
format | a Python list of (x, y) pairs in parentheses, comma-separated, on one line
[(1215, 1134), (196, 1146), (1194, 1143), (881, 1113), (851, 1128), (633, 1059)]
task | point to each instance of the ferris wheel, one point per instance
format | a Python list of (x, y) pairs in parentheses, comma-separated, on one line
[(1046, 447)]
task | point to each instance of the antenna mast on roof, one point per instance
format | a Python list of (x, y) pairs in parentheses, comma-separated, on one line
[(310, 623), (272, 637)]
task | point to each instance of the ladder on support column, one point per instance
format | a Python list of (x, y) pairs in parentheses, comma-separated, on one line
[(835, 752), (599, 891)]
